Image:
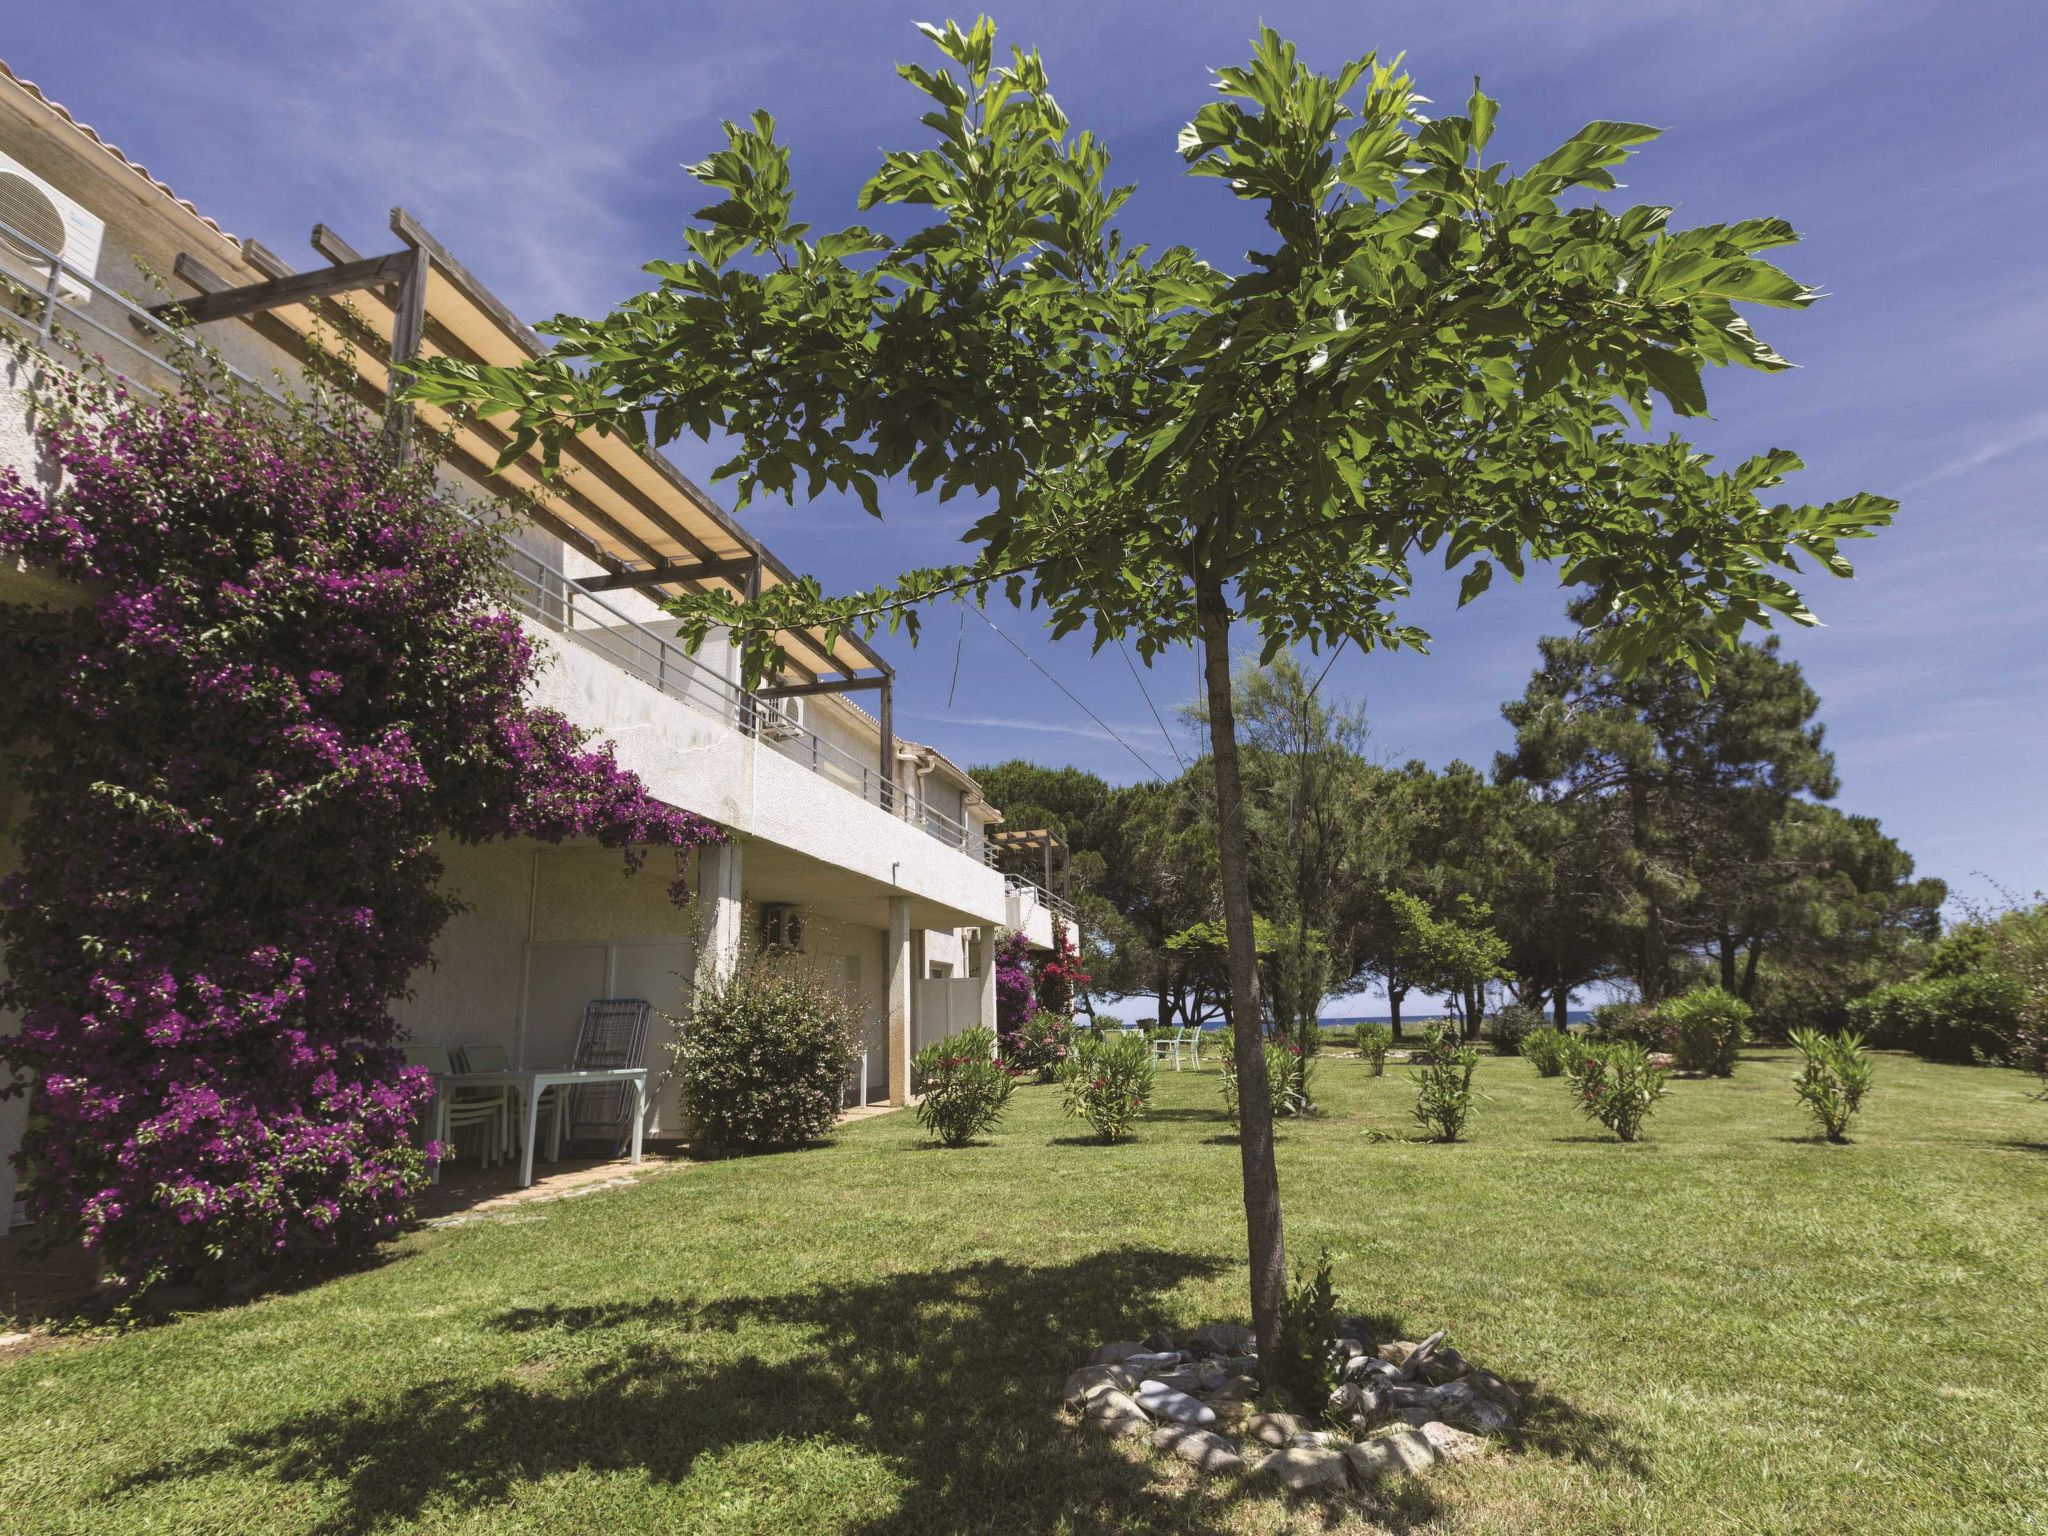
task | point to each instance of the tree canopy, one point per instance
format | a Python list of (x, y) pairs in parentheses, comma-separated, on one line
[(1434, 354)]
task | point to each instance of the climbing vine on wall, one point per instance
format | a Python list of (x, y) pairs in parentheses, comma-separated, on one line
[(290, 677)]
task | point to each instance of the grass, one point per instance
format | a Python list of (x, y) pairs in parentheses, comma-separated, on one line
[(1729, 1327)]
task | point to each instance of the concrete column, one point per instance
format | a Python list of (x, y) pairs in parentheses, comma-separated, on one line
[(986, 959), (720, 913), (900, 992)]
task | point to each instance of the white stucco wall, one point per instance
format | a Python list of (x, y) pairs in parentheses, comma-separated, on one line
[(694, 760)]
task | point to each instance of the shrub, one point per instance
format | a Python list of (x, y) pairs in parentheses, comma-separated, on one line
[(1042, 1045), (1512, 1024), (1617, 1085), (763, 1053), (1635, 1022), (1549, 1051), (1964, 1018), (1288, 1074), (1104, 1023), (1443, 1083), (1704, 1029), (1835, 1077), (1301, 1361), (1374, 1041), (965, 1088), (1016, 989), (295, 678), (1108, 1083)]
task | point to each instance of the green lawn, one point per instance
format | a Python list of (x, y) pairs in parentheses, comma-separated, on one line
[(1729, 1327)]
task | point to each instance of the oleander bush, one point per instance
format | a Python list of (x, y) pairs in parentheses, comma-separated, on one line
[(1617, 1086), (1108, 1082), (1374, 1041), (1289, 1075), (1443, 1084), (1834, 1076), (295, 674), (1704, 1029), (965, 1088), (1042, 1045), (1549, 1051)]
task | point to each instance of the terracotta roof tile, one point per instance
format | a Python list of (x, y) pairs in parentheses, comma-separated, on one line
[(91, 133)]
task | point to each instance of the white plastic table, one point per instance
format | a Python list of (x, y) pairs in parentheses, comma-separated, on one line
[(529, 1086)]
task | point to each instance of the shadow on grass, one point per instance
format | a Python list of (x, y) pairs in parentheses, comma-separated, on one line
[(949, 1378)]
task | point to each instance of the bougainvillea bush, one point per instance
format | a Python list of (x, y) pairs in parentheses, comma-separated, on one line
[(1060, 977), (291, 675), (1016, 990)]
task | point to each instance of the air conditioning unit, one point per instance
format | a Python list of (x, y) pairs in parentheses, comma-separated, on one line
[(37, 222), (782, 926), (780, 719)]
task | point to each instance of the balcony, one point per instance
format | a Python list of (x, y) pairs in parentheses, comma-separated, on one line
[(150, 355)]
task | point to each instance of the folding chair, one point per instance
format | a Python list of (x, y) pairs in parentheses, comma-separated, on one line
[(614, 1034)]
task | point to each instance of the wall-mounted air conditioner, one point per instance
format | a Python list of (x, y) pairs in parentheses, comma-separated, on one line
[(782, 926), (781, 719), (38, 222)]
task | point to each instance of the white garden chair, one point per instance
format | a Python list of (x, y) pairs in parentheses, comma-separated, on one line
[(492, 1058), (490, 1108), (1185, 1040)]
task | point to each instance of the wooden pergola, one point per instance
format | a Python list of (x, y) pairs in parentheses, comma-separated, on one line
[(638, 518), (1039, 841)]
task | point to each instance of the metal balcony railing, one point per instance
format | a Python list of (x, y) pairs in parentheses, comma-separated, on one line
[(151, 358)]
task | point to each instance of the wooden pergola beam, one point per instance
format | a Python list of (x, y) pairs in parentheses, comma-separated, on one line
[(832, 685), (253, 298), (673, 570)]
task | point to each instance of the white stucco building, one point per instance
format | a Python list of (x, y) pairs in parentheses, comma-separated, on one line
[(877, 842)]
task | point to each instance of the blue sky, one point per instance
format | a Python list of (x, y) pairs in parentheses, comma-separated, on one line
[(543, 142)]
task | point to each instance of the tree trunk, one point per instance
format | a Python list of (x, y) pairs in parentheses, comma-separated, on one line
[(1727, 962), (1165, 1000), (1394, 996), (1268, 1249), (1756, 953), (1560, 1005)]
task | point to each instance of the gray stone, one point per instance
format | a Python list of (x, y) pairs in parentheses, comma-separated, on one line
[(1235, 1389), (1160, 1343), (1363, 1367), (1150, 1362), (1091, 1378), (1396, 1352), (1459, 1404), (1278, 1428), (1303, 1469), (1358, 1402), (1454, 1444), (1110, 1403), (1419, 1355), (1404, 1394), (1206, 1450), (1111, 1354), (1162, 1401), (1347, 1349), (1445, 1365), (1243, 1365), (1187, 1379), (1403, 1453), (1222, 1339), (1486, 1384), (1415, 1418)]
